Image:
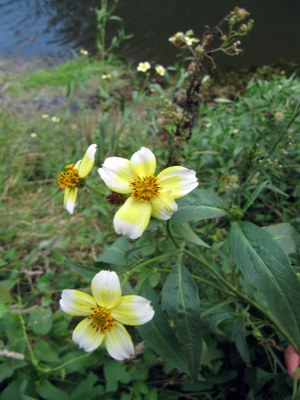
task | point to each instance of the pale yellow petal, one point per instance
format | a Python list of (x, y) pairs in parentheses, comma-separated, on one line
[(177, 181), (87, 162), (77, 303), (132, 218), (86, 336), (118, 343), (143, 162), (117, 174), (133, 310), (70, 197), (163, 206), (106, 288)]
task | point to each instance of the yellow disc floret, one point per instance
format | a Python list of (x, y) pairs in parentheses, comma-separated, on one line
[(102, 320), (70, 178), (145, 189)]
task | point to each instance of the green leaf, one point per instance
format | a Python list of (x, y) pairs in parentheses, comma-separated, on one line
[(40, 320), (198, 205), (114, 373), (160, 337), (185, 232), (50, 392), (266, 267), (82, 270), (115, 254), (43, 351), (181, 300), (285, 235), (253, 196)]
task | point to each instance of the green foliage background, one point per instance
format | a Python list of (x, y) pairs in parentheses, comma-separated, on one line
[(229, 290)]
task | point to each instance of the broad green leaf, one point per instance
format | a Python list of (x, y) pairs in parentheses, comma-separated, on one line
[(198, 205), (40, 320), (266, 267), (185, 232), (160, 337), (285, 235), (82, 270), (181, 301)]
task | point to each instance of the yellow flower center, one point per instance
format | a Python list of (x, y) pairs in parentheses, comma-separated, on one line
[(69, 178), (145, 189), (102, 320)]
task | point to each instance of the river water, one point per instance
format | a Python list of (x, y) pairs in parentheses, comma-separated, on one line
[(55, 27)]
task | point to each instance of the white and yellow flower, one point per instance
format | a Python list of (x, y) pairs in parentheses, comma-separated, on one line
[(160, 70), (106, 311), (73, 178), (143, 66), (150, 195)]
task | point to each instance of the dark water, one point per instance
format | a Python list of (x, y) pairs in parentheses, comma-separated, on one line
[(53, 27)]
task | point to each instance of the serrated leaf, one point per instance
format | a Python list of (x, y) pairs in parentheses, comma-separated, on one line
[(160, 337), (181, 301), (199, 205), (266, 267), (185, 232), (285, 235)]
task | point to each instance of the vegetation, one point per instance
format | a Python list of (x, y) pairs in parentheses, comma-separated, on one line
[(221, 274)]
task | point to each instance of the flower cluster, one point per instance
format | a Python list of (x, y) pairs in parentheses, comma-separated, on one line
[(145, 66), (181, 39), (106, 311)]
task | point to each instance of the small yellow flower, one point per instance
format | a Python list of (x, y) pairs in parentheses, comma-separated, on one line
[(33, 135), (45, 116), (84, 52), (73, 178), (105, 76), (143, 66), (106, 311), (160, 70), (55, 119), (149, 195)]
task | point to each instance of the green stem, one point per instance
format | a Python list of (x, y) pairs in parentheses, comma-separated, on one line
[(242, 296), (46, 370), (144, 263), (28, 345), (95, 190)]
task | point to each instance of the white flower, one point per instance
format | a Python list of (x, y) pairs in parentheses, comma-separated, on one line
[(73, 178), (143, 66), (150, 195), (160, 70), (106, 311)]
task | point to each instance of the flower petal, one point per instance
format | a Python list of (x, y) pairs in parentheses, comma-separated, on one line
[(132, 218), (70, 199), (77, 303), (163, 207), (87, 162), (143, 162), (87, 337), (118, 343), (177, 181), (106, 288), (133, 310), (117, 174)]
